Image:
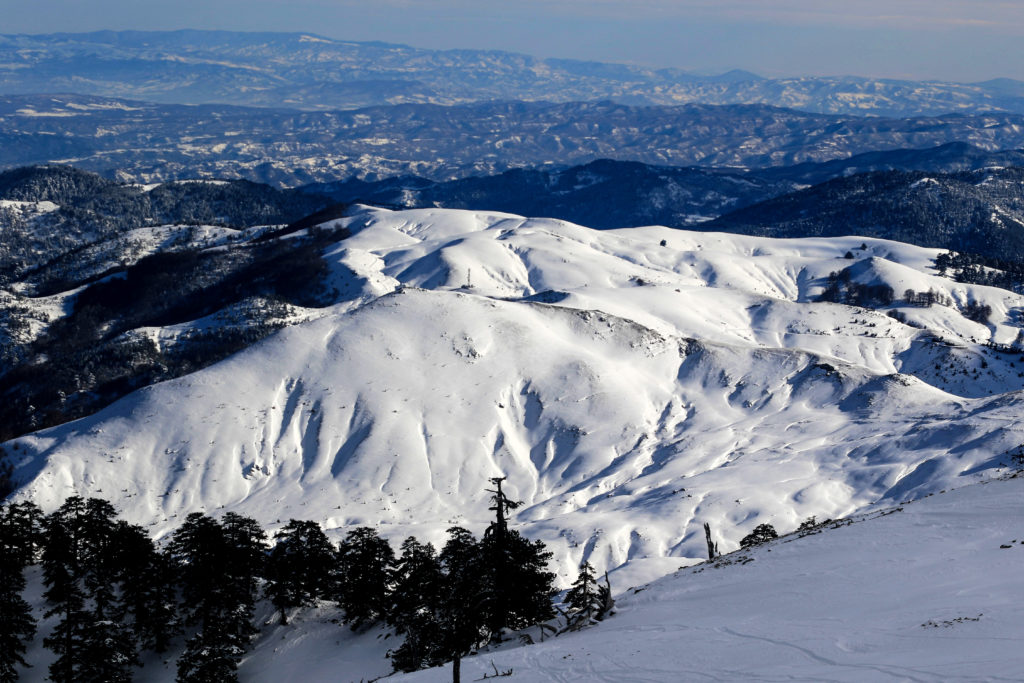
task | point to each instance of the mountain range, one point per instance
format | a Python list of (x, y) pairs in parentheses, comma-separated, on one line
[(313, 72), (140, 142), (293, 277)]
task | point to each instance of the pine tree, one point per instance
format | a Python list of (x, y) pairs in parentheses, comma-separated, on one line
[(299, 566), (21, 524), (108, 653), (147, 588), (209, 659), (364, 573), (417, 600), (460, 614), (98, 555), (583, 599), (520, 588), (80, 569), (18, 625), (245, 564), (64, 593), (219, 566), (762, 533), (416, 584)]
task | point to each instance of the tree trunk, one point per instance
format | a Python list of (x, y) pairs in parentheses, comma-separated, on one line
[(457, 669), (712, 547)]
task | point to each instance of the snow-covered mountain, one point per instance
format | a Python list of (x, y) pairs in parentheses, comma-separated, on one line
[(136, 141), (307, 71), (632, 384)]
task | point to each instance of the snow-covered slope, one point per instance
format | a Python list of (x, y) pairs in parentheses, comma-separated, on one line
[(925, 592), (631, 384)]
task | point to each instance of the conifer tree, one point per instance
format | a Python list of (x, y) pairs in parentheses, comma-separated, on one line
[(299, 566), (80, 571), (416, 584), (519, 588), (461, 615), (364, 573), (218, 567), (148, 600), (64, 594), (18, 626), (585, 599), (22, 526), (108, 653), (98, 555)]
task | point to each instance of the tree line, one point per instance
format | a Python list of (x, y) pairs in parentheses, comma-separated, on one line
[(115, 593)]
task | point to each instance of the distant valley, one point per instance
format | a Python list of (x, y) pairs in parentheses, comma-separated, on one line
[(140, 142)]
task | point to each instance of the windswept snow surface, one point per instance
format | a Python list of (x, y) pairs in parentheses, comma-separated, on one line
[(631, 385)]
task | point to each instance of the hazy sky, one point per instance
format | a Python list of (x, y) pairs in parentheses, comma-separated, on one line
[(964, 40)]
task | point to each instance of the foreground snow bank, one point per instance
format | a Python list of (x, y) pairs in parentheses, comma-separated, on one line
[(923, 592)]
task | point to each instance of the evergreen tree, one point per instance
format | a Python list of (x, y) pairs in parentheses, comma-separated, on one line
[(21, 528), (246, 553), (18, 626), (588, 601), (80, 568), (64, 594), (147, 588), (98, 555), (416, 584), (520, 588), (447, 623), (219, 565), (423, 646), (364, 573), (762, 533), (460, 614), (582, 598), (209, 659), (108, 653), (299, 567)]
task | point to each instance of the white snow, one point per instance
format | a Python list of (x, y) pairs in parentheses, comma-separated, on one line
[(32, 208), (662, 387), (631, 392)]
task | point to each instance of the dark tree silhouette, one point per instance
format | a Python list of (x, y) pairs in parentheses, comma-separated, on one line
[(219, 565), (148, 600), (762, 533), (18, 626), (519, 587), (299, 567), (364, 575)]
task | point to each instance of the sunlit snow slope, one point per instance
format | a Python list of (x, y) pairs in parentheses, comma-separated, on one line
[(631, 385), (925, 592)]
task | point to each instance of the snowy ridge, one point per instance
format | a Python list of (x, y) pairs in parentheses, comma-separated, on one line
[(631, 391)]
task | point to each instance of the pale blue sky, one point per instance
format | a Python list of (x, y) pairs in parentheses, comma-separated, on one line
[(964, 40)]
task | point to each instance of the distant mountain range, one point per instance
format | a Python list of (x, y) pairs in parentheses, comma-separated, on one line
[(307, 71), (141, 142), (980, 212), (613, 194)]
